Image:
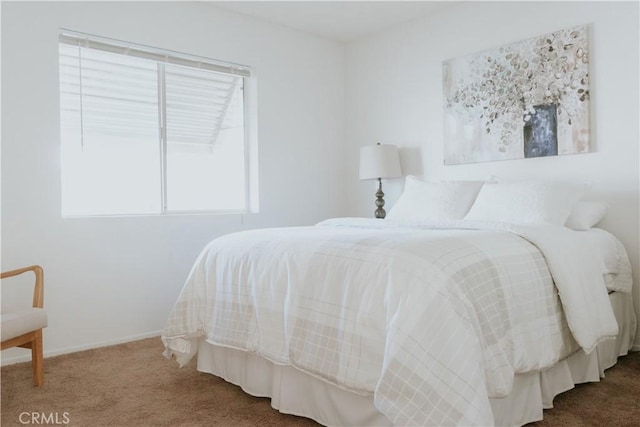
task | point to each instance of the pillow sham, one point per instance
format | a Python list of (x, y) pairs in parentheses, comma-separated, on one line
[(434, 201), (526, 202), (585, 215)]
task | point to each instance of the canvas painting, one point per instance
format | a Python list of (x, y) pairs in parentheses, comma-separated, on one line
[(522, 100)]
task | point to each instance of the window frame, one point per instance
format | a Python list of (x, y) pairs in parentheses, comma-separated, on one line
[(163, 57)]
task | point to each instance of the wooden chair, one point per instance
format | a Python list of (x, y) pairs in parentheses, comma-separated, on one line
[(23, 328)]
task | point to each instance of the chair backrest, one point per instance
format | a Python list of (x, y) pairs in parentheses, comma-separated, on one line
[(38, 290)]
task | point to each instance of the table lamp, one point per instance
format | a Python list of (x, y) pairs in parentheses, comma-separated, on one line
[(377, 162)]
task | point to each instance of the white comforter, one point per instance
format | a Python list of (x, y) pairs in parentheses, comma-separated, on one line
[(432, 319)]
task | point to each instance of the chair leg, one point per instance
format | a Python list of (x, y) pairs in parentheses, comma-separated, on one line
[(37, 362)]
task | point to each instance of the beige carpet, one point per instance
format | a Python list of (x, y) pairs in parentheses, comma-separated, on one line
[(133, 385)]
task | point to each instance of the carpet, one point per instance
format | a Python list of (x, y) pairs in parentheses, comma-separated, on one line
[(132, 384)]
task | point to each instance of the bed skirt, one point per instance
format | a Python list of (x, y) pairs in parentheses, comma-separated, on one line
[(295, 392)]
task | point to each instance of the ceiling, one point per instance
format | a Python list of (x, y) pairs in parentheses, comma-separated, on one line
[(343, 21)]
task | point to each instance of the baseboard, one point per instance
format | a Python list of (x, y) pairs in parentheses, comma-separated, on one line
[(27, 357)]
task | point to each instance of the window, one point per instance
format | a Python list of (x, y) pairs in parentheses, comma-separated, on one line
[(149, 131)]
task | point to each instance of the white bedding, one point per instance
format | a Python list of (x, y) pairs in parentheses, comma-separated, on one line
[(293, 392), (432, 319), (613, 258)]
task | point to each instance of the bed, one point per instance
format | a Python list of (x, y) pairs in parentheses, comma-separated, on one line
[(452, 320)]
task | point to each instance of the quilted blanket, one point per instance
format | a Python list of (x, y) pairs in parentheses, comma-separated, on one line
[(431, 319)]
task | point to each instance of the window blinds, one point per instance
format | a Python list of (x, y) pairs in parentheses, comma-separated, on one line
[(116, 89), (73, 38), (107, 94), (199, 104)]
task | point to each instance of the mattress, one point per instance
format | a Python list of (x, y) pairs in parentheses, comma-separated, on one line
[(295, 392)]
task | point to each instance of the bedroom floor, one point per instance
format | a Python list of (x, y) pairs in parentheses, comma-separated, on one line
[(133, 384)]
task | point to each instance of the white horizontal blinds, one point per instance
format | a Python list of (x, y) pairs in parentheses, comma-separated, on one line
[(113, 86), (115, 95), (198, 104), (152, 54), (109, 132), (205, 140), (70, 104)]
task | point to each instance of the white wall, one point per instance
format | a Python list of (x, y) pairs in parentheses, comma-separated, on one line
[(394, 95), (113, 279)]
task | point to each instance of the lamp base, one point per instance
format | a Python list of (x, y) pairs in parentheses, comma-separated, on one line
[(380, 212)]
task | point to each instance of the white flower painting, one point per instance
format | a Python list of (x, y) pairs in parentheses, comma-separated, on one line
[(522, 100)]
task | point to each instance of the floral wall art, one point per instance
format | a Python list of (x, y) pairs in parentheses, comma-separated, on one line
[(522, 100)]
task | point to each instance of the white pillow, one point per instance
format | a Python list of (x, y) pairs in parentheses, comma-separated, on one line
[(585, 215), (526, 202), (433, 201)]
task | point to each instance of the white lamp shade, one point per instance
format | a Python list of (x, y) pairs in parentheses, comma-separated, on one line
[(379, 161)]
